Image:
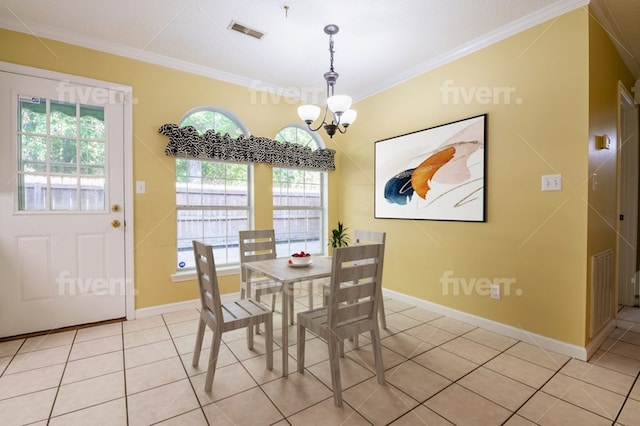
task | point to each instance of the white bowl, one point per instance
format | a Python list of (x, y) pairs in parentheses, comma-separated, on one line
[(299, 261)]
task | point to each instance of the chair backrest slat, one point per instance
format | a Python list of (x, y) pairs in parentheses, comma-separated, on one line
[(367, 237), (353, 311), (356, 292), (359, 269)]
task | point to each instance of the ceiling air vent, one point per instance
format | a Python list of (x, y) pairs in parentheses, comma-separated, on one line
[(235, 26)]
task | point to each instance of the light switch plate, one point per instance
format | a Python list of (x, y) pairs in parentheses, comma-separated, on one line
[(551, 182), (140, 187)]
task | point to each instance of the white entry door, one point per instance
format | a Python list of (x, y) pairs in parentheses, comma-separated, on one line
[(62, 241)]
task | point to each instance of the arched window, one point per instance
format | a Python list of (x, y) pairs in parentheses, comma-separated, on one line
[(212, 198), (299, 200)]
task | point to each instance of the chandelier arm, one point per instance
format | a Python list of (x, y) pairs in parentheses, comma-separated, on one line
[(322, 123)]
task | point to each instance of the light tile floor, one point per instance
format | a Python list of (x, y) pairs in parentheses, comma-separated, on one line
[(439, 371)]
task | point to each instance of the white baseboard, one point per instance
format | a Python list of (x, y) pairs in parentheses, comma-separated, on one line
[(180, 306), (548, 343), (165, 309), (597, 341)]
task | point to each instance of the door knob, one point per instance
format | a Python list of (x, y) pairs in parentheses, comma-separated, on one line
[(115, 223), (115, 208)]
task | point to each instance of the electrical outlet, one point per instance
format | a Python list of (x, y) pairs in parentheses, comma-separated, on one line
[(495, 291), (551, 182)]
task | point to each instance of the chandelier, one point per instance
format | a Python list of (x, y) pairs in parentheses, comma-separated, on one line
[(342, 116)]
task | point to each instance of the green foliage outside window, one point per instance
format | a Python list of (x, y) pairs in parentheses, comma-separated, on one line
[(69, 126), (210, 170)]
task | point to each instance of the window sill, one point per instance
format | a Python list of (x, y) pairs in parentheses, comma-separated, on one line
[(190, 275)]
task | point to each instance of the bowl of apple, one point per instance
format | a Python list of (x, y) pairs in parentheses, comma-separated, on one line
[(300, 259)]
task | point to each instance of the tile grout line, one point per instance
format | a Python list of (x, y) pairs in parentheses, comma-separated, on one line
[(195, 394), (124, 378), (466, 374), (539, 390), (55, 398), (636, 381)]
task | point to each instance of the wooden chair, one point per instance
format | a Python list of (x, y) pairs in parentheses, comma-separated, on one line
[(368, 237), (255, 245), (219, 317), (351, 309)]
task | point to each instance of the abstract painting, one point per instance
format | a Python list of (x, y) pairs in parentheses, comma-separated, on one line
[(436, 173)]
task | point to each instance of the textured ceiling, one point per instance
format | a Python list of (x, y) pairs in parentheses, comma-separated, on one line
[(380, 43)]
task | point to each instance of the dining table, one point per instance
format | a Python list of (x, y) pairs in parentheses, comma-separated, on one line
[(280, 270)]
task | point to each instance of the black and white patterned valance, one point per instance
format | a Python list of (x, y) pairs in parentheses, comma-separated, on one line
[(186, 141)]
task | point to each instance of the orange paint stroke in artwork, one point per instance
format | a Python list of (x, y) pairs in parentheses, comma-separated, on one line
[(457, 170), (422, 175)]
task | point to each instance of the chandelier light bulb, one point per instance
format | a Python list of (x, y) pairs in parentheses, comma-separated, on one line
[(348, 117), (339, 103), (308, 113)]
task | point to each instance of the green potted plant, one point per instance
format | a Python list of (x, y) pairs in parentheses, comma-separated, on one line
[(339, 236)]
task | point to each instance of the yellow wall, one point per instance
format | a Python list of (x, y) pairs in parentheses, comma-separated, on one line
[(162, 95), (606, 69), (536, 238)]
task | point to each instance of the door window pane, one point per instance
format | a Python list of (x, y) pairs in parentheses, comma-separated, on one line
[(92, 193), (91, 122), (32, 115), (33, 153), (61, 156), (64, 192), (63, 119), (33, 192)]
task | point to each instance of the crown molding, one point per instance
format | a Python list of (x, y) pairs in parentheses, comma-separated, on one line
[(545, 14)]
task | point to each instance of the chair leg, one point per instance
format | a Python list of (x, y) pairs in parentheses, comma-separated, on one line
[(381, 316), (377, 354), (213, 360), (273, 302), (258, 295), (196, 352), (334, 365), (300, 345), (291, 312), (250, 337), (269, 341)]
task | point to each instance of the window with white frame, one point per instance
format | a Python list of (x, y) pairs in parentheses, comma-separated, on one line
[(213, 201), (299, 200)]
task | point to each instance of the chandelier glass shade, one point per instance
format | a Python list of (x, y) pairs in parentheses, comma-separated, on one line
[(338, 107)]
